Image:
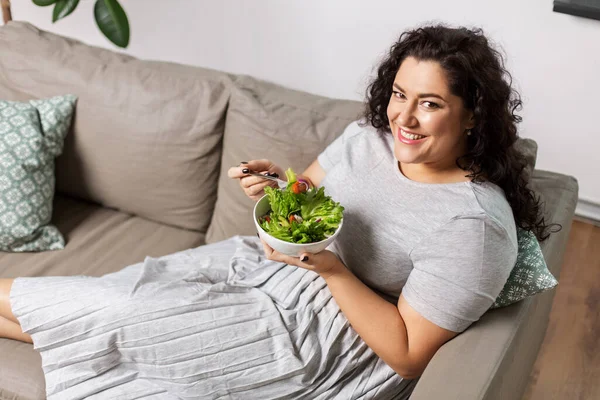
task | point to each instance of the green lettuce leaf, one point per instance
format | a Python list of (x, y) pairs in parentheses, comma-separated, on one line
[(319, 215)]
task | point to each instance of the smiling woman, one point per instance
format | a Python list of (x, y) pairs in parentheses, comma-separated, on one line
[(360, 319)]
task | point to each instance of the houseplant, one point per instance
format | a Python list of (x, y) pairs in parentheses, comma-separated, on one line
[(108, 14)]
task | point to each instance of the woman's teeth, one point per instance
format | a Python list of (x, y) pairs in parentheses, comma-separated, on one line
[(411, 136)]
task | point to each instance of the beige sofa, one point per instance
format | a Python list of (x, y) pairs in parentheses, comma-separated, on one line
[(143, 174)]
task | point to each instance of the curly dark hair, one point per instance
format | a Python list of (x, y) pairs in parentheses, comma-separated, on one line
[(476, 73)]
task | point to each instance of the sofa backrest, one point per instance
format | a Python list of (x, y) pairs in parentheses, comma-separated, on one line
[(147, 135)]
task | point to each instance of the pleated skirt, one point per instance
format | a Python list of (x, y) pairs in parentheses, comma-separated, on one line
[(216, 322)]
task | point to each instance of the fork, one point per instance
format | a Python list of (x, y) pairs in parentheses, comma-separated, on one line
[(280, 182)]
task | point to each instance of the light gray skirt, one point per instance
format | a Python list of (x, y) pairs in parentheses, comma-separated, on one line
[(216, 322)]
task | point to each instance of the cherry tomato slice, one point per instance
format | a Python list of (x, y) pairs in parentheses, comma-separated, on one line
[(298, 188)]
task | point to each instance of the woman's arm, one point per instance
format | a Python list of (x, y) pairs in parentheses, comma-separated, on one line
[(397, 334), (314, 174)]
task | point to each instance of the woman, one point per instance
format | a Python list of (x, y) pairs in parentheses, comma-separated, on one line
[(433, 190)]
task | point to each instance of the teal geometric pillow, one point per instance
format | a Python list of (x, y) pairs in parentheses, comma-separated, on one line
[(31, 137), (530, 274)]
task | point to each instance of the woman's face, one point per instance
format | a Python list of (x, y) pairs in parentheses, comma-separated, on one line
[(428, 122)]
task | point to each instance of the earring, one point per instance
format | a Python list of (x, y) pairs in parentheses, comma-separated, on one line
[(469, 132)]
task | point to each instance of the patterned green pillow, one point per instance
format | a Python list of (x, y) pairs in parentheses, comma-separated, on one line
[(31, 137), (530, 274)]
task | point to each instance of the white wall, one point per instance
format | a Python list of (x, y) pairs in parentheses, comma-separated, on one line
[(330, 47)]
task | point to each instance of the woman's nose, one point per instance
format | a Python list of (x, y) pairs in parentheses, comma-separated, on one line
[(406, 117)]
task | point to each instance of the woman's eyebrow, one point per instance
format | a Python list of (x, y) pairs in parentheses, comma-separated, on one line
[(422, 95)]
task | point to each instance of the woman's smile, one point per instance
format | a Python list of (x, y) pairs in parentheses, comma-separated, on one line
[(408, 137)]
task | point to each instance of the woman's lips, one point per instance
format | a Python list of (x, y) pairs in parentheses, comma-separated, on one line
[(406, 140)]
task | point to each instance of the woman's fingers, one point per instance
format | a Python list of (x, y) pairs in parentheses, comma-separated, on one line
[(257, 191), (242, 171), (262, 165), (236, 172), (296, 261), (277, 256), (248, 181), (268, 249), (253, 186)]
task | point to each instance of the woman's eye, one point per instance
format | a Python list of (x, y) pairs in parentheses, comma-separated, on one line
[(398, 94), (430, 104)]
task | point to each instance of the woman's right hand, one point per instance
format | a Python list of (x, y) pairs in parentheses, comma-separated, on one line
[(253, 186)]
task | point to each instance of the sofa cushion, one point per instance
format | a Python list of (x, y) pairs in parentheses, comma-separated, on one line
[(530, 274), (147, 135), (99, 241), (265, 120), (31, 137)]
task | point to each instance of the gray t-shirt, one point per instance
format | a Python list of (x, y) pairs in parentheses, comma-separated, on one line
[(448, 248)]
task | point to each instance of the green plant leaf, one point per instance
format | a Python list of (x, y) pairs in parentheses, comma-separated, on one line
[(62, 8), (44, 3), (112, 21)]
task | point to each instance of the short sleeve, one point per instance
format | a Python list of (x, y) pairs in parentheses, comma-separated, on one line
[(459, 270), (333, 153)]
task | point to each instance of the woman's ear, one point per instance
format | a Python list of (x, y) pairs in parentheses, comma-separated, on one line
[(470, 120)]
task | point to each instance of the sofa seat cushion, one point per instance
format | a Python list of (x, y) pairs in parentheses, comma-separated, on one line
[(98, 241)]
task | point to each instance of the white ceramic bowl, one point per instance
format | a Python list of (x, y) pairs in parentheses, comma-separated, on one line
[(261, 208)]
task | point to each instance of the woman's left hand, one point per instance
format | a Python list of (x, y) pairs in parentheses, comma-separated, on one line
[(325, 263)]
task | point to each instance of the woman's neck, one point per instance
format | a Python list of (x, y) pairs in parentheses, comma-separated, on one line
[(433, 174)]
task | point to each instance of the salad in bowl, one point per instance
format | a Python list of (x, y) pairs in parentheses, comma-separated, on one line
[(295, 220)]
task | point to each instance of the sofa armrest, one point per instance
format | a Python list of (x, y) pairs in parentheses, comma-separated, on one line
[(494, 357), (464, 367)]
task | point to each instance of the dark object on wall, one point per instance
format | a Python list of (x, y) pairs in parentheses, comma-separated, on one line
[(580, 8)]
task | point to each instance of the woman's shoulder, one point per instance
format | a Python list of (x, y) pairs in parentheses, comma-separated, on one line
[(482, 203), (360, 145), (490, 202), (360, 130)]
